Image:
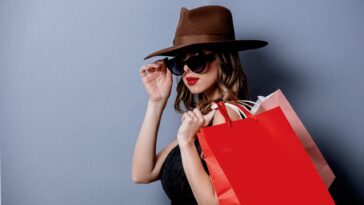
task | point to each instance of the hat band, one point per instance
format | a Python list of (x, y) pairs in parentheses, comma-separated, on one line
[(189, 39)]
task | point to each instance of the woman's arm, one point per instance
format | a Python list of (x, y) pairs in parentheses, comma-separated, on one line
[(197, 177), (146, 164)]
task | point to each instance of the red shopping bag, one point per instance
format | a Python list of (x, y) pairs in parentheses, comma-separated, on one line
[(278, 99), (223, 189), (262, 160)]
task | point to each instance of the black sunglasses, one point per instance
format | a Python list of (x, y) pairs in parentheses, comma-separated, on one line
[(196, 64)]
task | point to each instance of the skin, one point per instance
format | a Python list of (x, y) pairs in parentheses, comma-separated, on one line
[(146, 165)]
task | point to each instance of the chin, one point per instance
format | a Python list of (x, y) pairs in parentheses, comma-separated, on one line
[(195, 90)]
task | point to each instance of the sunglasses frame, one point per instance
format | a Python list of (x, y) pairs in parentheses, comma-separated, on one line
[(176, 65)]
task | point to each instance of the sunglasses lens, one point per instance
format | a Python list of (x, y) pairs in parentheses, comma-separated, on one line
[(197, 64), (175, 66)]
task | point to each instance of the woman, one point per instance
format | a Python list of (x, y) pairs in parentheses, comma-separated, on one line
[(205, 55)]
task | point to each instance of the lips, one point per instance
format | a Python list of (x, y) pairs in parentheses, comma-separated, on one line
[(192, 80)]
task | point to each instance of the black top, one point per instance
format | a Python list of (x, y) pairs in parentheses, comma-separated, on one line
[(174, 180)]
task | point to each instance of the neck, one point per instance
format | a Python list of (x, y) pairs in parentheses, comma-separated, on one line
[(212, 94)]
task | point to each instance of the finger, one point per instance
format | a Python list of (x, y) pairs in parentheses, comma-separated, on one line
[(169, 75), (154, 65), (146, 69), (163, 66), (143, 71), (143, 68), (185, 115), (157, 66), (192, 114), (189, 117), (151, 68), (198, 114), (208, 117)]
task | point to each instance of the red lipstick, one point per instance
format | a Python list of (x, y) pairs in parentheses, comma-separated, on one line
[(191, 80)]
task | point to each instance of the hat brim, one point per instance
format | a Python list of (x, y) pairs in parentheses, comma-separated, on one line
[(238, 45)]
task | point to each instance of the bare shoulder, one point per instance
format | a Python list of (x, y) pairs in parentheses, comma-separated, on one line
[(219, 118)]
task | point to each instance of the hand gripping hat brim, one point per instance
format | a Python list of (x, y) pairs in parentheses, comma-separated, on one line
[(207, 26)]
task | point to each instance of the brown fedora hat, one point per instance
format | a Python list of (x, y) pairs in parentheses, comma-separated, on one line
[(208, 26)]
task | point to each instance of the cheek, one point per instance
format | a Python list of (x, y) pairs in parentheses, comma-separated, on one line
[(209, 80), (206, 81), (210, 77)]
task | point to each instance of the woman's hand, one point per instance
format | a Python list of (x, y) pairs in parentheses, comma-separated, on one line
[(157, 80), (192, 121)]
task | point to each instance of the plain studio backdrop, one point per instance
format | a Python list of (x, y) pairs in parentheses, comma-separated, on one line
[(72, 101)]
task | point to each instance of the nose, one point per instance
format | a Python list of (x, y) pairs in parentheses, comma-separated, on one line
[(186, 68)]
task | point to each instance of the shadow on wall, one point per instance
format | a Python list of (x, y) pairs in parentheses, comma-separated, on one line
[(341, 190), (265, 75)]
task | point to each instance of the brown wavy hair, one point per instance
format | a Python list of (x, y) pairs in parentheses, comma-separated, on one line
[(232, 84)]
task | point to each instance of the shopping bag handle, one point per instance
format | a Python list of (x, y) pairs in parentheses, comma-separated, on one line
[(246, 103), (237, 110), (243, 109), (222, 109)]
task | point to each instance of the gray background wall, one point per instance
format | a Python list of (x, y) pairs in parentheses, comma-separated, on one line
[(72, 101)]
